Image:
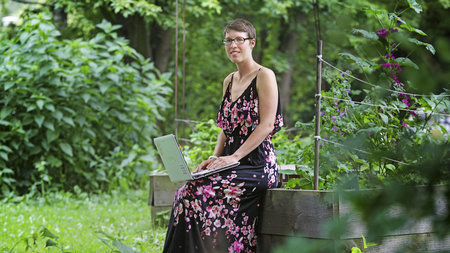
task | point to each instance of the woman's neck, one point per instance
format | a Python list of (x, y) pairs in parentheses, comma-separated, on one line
[(245, 68)]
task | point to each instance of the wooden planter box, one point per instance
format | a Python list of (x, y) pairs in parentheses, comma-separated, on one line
[(301, 213)]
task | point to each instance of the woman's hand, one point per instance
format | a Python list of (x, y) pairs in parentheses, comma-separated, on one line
[(216, 162), (221, 161), (203, 165)]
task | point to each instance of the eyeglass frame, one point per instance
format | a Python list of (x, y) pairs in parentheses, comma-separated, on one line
[(228, 42)]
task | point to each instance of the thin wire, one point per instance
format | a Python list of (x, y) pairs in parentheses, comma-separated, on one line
[(362, 151), (189, 121), (385, 106), (377, 86)]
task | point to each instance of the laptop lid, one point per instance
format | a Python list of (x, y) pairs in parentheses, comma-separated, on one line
[(172, 158)]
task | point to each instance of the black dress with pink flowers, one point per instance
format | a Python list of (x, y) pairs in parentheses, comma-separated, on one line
[(219, 213)]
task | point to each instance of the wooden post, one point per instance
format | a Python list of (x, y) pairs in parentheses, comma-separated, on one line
[(317, 132)]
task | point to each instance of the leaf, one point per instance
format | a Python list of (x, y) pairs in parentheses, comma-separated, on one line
[(407, 62), (50, 243), (4, 156), (39, 119), (384, 118), (69, 121), (366, 34), (86, 97), (51, 135), (393, 16), (6, 111), (428, 46), (46, 233), (357, 60), (122, 247), (66, 148), (40, 104), (9, 84), (415, 6), (356, 250)]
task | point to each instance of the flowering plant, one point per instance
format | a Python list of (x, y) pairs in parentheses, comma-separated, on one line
[(365, 131)]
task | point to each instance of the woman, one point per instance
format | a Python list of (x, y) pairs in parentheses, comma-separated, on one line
[(219, 213)]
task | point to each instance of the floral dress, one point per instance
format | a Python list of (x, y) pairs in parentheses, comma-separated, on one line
[(219, 213)]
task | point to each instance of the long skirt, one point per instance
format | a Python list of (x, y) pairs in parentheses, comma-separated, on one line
[(219, 213)]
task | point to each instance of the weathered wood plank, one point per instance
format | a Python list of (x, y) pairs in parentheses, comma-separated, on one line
[(162, 190), (291, 212)]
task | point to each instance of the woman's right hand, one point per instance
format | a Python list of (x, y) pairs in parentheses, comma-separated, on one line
[(203, 165)]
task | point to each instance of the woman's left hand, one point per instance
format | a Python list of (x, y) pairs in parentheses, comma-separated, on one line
[(221, 161)]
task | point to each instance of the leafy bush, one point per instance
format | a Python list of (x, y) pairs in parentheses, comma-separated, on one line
[(365, 131), (75, 112)]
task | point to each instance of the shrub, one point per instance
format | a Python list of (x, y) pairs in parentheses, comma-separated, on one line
[(75, 112)]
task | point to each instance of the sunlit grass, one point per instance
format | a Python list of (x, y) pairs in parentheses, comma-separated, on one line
[(77, 220)]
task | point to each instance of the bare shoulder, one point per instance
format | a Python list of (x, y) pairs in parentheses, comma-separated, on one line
[(266, 77), (226, 81)]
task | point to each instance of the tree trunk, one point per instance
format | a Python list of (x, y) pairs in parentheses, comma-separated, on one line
[(289, 46), (135, 29), (161, 40)]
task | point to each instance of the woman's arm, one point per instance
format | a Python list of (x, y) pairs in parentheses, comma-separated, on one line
[(266, 85)]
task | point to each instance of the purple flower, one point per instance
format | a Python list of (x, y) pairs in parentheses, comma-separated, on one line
[(333, 118), (399, 22), (406, 102), (383, 32), (322, 114), (341, 114), (404, 124), (394, 30), (394, 44), (335, 103), (334, 129), (348, 91), (386, 65)]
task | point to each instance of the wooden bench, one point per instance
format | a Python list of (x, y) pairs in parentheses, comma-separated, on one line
[(294, 213)]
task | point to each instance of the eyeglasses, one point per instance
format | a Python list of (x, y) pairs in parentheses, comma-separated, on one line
[(237, 40)]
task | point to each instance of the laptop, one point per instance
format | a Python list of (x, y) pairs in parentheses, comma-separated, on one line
[(174, 161)]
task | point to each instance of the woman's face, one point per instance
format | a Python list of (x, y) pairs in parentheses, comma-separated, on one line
[(238, 52)]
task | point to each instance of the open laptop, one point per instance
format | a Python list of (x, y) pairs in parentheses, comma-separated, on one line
[(174, 161)]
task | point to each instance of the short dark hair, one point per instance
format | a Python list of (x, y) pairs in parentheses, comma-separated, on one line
[(241, 25)]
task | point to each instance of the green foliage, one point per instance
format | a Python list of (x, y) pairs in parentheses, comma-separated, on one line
[(68, 222), (80, 111), (202, 142), (362, 139)]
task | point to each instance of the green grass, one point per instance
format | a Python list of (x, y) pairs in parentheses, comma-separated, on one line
[(76, 222)]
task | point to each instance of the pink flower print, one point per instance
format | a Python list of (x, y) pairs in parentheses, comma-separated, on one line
[(237, 247), (217, 223), (229, 223), (244, 130), (208, 191), (233, 191), (213, 211), (208, 223), (207, 231), (196, 206)]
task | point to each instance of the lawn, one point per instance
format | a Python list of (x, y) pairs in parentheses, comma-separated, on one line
[(80, 223)]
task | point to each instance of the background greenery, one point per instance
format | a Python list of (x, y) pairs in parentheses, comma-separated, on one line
[(84, 86)]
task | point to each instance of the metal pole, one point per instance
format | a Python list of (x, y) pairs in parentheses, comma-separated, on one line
[(176, 74), (318, 95)]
